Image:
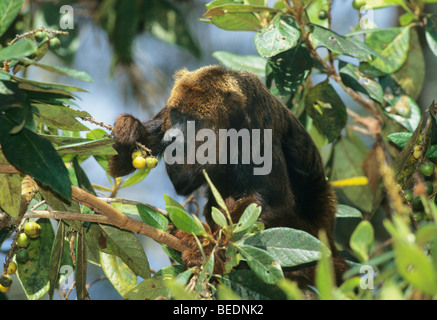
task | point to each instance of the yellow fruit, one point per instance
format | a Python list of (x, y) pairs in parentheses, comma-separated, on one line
[(23, 240), (32, 229), (4, 289), (138, 153), (12, 268), (151, 162), (139, 162)]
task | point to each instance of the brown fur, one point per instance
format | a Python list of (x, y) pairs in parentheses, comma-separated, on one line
[(295, 194)]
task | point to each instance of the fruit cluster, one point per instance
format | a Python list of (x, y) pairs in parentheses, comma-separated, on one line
[(140, 160), (31, 230), (427, 170)]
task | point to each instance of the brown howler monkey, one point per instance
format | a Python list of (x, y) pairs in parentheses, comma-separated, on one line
[(294, 194)]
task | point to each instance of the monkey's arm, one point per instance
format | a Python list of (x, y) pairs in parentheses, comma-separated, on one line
[(126, 132)]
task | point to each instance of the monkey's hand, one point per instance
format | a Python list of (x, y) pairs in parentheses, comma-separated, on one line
[(193, 256), (127, 130)]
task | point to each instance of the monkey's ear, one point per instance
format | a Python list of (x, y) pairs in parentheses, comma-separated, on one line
[(180, 73)]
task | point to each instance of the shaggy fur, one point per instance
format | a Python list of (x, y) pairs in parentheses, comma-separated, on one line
[(295, 194)]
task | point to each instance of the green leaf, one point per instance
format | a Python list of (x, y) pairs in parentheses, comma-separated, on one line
[(136, 177), (19, 49), (400, 138), (118, 273), (231, 16), (218, 217), (10, 191), (34, 275), (355, 79), (377, 4), (289, 69), (344, 211), (75, 74), (148, 289), (218, 198), (415, 267), (262, 263), (348, 155), (254, 64), (393, 45), (248, 287), (279, 36), (8, 12), (57, 117), (411, 75), (183, 221), (325, 278), (314, 12), (82, 146), (290, 247), (338, 44), (431, 33), (327, 110), (401, 108), (249, 217), (44, 164), (169, 201), (121, 243), (56, 257), (361, 240), (151, 217)]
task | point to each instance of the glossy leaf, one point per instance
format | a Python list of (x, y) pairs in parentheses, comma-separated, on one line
[(290, 247), (327, 110), (411, 75), (57, 117), (393, 45), (355, 79), (183, 221), (44, 164), (19, 49), (151, 217), (279, 36), (287, 71), (118, 273), (249, 217), (10, 191), (248, 287), (148, 289), (254, 64), (361, 240), (8, 12), (34, 275), (344, 211), (262, 263), (338, 44)]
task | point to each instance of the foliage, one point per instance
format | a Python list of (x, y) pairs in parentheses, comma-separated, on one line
[(43, 144)]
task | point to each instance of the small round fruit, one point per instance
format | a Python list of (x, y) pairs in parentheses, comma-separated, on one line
[(323, 15), (418, 215), (6, 280), (32, 229), (55, 43), (4, 289), (138, 153), (417, 203), (357, 4), (22, 256), (40, 36), (139, 162), (151, 162), (427, 169), (23, 240), (12, 268), (409, 195), (417, 152)]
